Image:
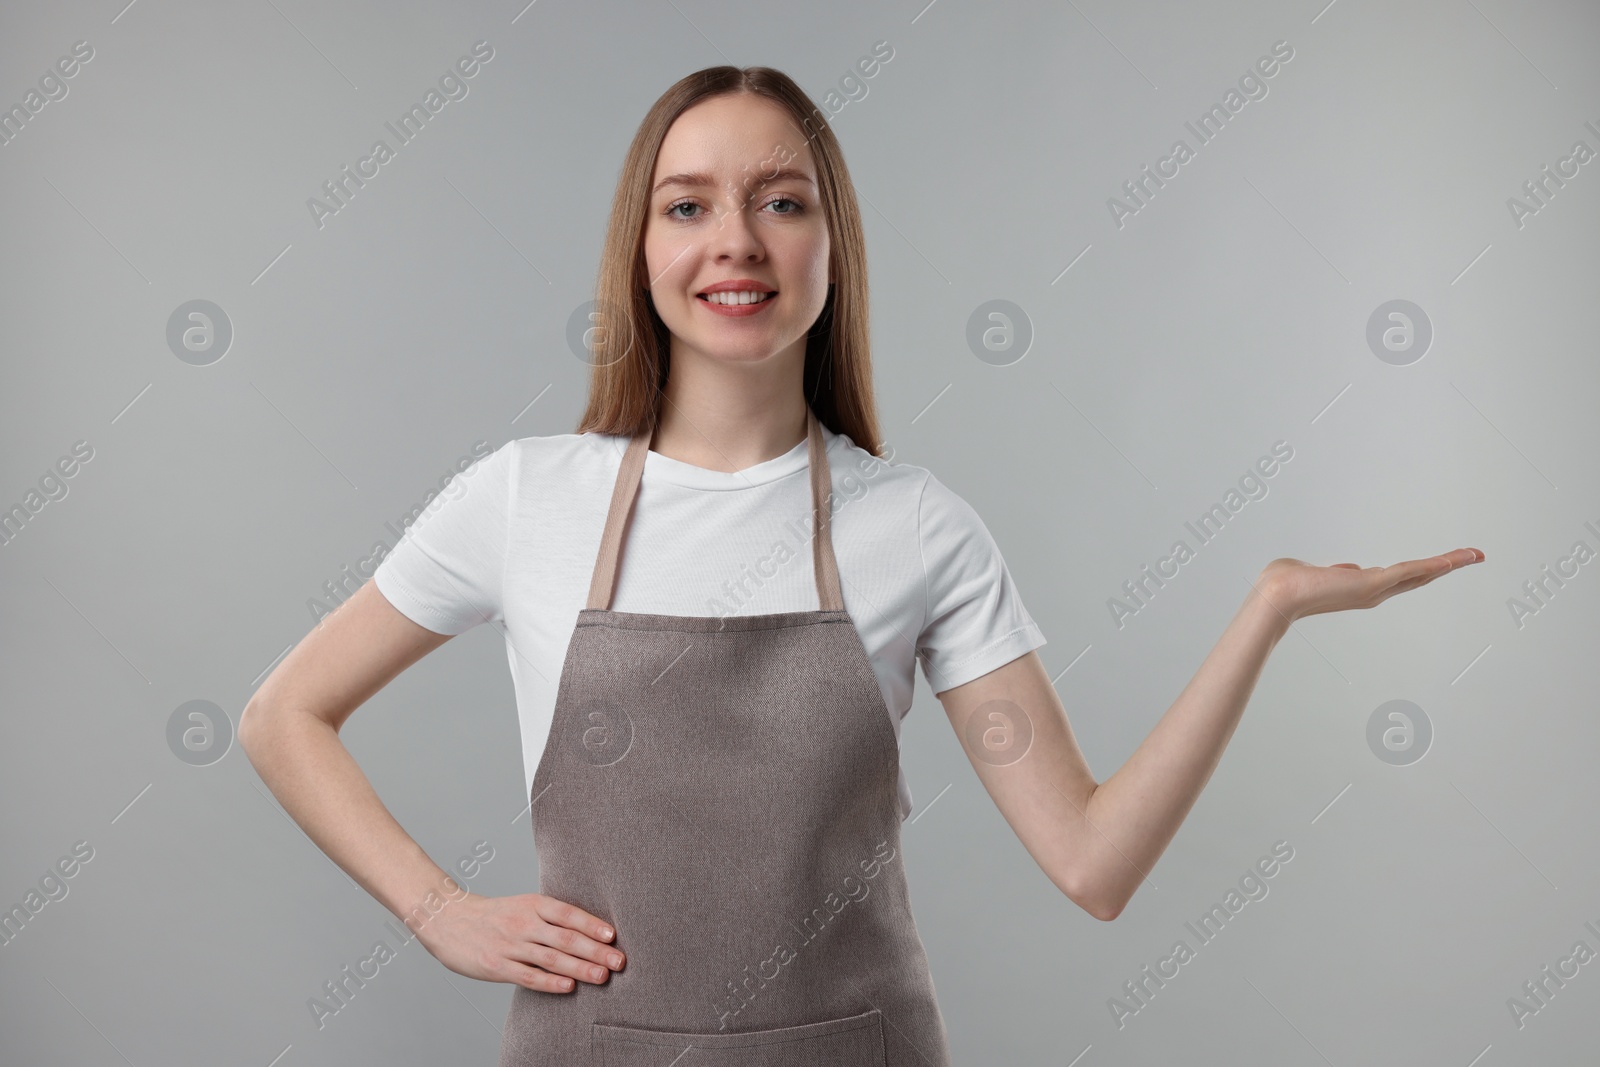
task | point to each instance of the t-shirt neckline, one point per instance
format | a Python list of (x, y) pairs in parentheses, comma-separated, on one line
[(666, 469)]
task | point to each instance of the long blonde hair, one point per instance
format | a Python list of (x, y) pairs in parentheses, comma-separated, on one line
[(630, 352)]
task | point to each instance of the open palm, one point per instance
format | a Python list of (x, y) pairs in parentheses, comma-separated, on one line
[(1298, 589)]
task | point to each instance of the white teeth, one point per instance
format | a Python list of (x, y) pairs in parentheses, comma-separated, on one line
[(736, 297)]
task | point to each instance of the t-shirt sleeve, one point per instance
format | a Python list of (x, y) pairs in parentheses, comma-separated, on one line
[(446, 573), (975, 620)]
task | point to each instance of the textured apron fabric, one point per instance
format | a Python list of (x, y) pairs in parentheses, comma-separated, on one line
[(722, 791)]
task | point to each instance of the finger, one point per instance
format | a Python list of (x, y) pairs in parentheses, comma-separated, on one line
[(1430, 567), (579, 946), (1460, 557), (565, 932), (573, 917), (1423, 579), (537, 979), (1409, 585), (557, 963)]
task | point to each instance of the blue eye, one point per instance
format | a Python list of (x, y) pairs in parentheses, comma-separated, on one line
[(796, 209)]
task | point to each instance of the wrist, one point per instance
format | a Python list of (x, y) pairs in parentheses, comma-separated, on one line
[(1269, 607), (425, 898)]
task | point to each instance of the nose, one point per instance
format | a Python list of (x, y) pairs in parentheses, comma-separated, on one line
[(733, 237)]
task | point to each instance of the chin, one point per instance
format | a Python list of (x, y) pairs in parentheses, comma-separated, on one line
[(740, 353), (749, 349)]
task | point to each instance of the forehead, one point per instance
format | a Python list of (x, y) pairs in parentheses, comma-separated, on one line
[(730, 136)]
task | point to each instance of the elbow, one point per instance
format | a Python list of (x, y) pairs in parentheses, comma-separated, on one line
[(266, 729), (1105, 912), (1093, 896), (246, 727), (252, 721)]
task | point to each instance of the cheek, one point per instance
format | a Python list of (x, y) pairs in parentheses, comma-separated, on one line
[(668, 260), (654, 259), (818, 254), (807, 261), (816, 272)]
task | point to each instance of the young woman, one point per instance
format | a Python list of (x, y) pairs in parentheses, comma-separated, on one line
[(714, 595)]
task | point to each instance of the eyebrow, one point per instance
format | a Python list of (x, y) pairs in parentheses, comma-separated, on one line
[(698, 179)]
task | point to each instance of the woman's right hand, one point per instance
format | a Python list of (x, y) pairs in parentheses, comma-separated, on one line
[(532, 940)]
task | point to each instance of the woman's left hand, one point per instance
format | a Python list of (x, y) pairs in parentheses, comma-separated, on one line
[(1298, 589)]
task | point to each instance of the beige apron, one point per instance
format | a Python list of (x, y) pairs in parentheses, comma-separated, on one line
[(723, 791)]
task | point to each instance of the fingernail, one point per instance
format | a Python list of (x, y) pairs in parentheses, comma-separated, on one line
[(606, 933), (616, 961)]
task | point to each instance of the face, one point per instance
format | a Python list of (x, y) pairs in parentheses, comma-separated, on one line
[(734, 199)]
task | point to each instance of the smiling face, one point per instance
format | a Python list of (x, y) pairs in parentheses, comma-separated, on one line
[(734, 199)]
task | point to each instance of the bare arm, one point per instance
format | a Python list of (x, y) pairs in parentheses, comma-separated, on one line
[(290, 731), (1096, 841)]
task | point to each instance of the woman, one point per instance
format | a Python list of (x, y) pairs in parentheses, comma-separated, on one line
[(714, 770)]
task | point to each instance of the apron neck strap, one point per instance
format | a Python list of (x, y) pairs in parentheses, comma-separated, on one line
[(824, 564)]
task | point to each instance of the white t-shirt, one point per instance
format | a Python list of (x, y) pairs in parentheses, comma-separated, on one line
[(515, 545)]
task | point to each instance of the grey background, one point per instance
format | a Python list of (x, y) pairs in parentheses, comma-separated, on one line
[(1228, 314)]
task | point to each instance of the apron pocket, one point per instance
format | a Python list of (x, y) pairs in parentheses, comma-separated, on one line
[(856, 1041)]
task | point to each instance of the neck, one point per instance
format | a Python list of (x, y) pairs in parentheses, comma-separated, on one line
[(726, 416)]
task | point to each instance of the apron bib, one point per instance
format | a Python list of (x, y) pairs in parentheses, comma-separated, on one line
[(722, 790)]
